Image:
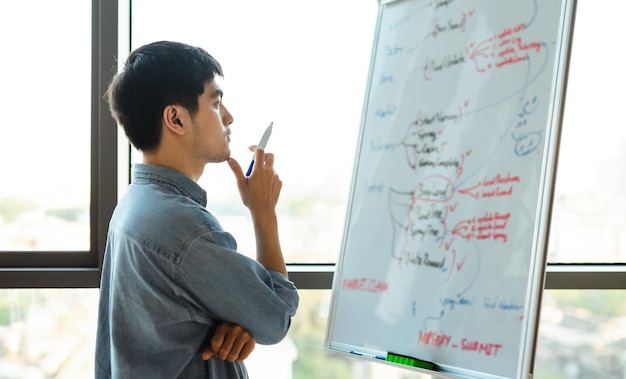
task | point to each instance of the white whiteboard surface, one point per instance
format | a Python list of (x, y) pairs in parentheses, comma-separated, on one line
[(443, 257)]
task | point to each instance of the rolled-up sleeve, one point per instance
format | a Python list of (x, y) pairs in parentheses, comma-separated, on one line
[(218, 284)]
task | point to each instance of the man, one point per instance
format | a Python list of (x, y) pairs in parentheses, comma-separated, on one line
[(174, 290)]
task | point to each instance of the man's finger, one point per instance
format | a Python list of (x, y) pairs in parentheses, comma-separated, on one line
[(207, 353), (247, 349), (236, 168), (223, 340)]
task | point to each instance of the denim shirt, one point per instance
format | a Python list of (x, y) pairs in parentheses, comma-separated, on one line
[(171, 275)]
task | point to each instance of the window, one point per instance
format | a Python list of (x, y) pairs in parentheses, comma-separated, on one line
[(50, 333), (306, 73), (54, 205), (588, 219), (44, 200), (301, 65), (47, 333)]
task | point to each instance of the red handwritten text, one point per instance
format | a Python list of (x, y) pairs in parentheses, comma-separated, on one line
[(493, 187), (433, 338), (501, 49), (429, 337), (489, 226), (366, 285), (480, 347)]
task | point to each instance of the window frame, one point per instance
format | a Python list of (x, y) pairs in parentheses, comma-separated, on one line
[(77, 269), (55, 269)]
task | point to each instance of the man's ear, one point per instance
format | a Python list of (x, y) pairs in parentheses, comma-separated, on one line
[(172, 115)]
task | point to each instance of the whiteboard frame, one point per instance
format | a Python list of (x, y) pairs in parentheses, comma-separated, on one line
[(543, 214), (536, 285)]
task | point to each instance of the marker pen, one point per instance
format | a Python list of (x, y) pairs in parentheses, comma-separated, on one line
[(262, 144), (373, 356), (410, 361)]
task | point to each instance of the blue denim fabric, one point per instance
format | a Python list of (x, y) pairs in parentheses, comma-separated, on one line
[(171, 275)]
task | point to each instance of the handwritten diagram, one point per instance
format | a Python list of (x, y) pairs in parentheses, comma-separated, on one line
[(442, 227)]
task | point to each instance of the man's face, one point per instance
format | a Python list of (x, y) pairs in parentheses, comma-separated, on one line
[(210, 125)]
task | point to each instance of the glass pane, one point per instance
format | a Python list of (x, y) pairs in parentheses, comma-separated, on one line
[(588, 223), (47, 333), (302, 65), (50, 333), (582, 335), (46, 104)]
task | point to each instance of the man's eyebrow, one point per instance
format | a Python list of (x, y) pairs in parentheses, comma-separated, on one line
[(218, 93)]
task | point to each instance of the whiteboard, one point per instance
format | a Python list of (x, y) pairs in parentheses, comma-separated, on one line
[(444, 248)]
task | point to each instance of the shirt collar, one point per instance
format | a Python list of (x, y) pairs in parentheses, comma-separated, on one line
[(166, 175)]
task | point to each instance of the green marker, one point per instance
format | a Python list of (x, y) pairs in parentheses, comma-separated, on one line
[(408, 361)]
